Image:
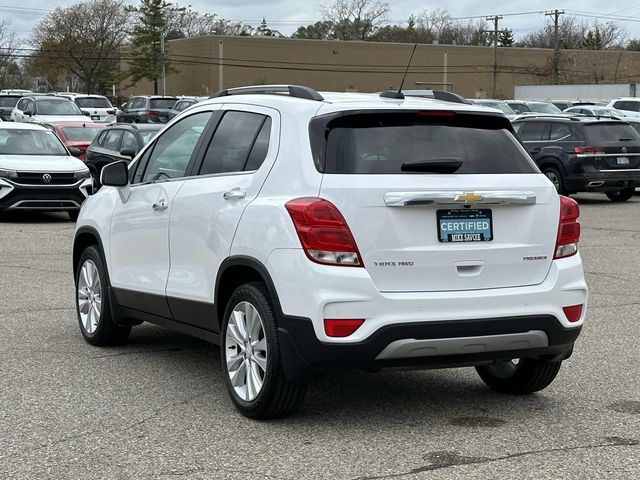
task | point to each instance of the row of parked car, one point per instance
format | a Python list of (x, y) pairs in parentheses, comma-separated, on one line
[(25, 106), (577, 151)]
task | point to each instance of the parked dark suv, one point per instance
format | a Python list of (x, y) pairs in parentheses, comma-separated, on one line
[(584, 154), (7, 102), (146, 109), (117, 142)]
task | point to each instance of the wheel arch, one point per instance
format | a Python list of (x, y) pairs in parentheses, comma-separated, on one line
[(85, 237), (233, 272), (549, 161)]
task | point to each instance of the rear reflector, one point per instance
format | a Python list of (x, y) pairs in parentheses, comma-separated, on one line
[(323, 232), (573, 312), (568, 228), (151, 112), (339, 327)]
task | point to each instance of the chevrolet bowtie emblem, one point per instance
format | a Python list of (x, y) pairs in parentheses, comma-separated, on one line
[(468, 197)]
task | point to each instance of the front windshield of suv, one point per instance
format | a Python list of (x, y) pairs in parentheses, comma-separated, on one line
[(544, 108), (30, 142), (91, 102), (57, 107)]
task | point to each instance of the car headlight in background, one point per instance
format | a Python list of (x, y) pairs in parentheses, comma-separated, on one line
[(8, 174), (82, 174)]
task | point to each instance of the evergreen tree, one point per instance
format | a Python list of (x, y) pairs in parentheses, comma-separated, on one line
[(264, 31), (505, 38), (146, 56)]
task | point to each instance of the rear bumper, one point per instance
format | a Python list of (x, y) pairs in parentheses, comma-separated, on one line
[(431, 344), (308, 293), (603, 181)]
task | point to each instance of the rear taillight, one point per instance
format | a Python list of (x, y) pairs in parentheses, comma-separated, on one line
[(341, 327), (323, 232), (111, 112), (568, 229), (592, 150), (151, 112)]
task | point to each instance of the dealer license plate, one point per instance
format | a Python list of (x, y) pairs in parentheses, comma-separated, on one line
[(622, 160), (465, 225)]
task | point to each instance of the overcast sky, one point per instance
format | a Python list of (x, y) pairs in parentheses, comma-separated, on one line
[(286, 15)]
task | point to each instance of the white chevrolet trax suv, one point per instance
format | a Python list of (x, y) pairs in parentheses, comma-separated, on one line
[(305, 232)]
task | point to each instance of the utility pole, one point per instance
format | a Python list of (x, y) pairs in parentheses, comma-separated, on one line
[(162, 64), (556, 40), (495, 19)]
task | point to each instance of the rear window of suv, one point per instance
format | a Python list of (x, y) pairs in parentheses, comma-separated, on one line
[(8, 101), (163, 103), (89, 102), (602, 133), (382, 143)]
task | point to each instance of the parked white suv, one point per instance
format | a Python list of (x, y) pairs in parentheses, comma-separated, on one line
[(304, 232)]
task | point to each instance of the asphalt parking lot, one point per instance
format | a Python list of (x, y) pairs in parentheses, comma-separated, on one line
[(157, 407)]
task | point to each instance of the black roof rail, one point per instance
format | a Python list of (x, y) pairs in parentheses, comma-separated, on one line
[(449, 97), (296, 91), (575, 118)]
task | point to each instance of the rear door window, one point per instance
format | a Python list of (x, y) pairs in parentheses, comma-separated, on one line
[(534, 131), (112, 140), (397, 143), (233, 142)]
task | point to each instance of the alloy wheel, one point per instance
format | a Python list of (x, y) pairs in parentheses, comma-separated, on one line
[(246, 351), (89, 296)]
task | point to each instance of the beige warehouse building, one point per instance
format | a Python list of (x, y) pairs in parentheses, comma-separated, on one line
[(207, 64)]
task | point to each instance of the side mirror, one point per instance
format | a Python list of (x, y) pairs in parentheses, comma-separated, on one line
[(75, 151), (128, 152), (28, 113), (115, 174)]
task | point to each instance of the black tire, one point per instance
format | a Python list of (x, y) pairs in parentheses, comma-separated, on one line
[(621, 195), (553, 174), (528, 375), (106, 332), (278, 396), (73, 214)]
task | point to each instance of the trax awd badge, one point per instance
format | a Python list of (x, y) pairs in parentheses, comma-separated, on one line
[(393, 264), (534, 258)]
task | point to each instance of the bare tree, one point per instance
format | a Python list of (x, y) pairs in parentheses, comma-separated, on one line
[(191, 23), (82, 41), (10, 72), (355, 19)]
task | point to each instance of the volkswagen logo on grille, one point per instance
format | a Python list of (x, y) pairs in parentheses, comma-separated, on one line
[(624, 149), (46, 178)]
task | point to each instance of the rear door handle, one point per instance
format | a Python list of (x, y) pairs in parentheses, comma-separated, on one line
[(160, 205), (234, 194)]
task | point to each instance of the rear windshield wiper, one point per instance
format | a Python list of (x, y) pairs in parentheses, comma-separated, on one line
[(433, 165)]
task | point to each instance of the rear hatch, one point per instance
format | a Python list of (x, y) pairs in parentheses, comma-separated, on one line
[(438, 203), (615, 145), (159, 109)]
